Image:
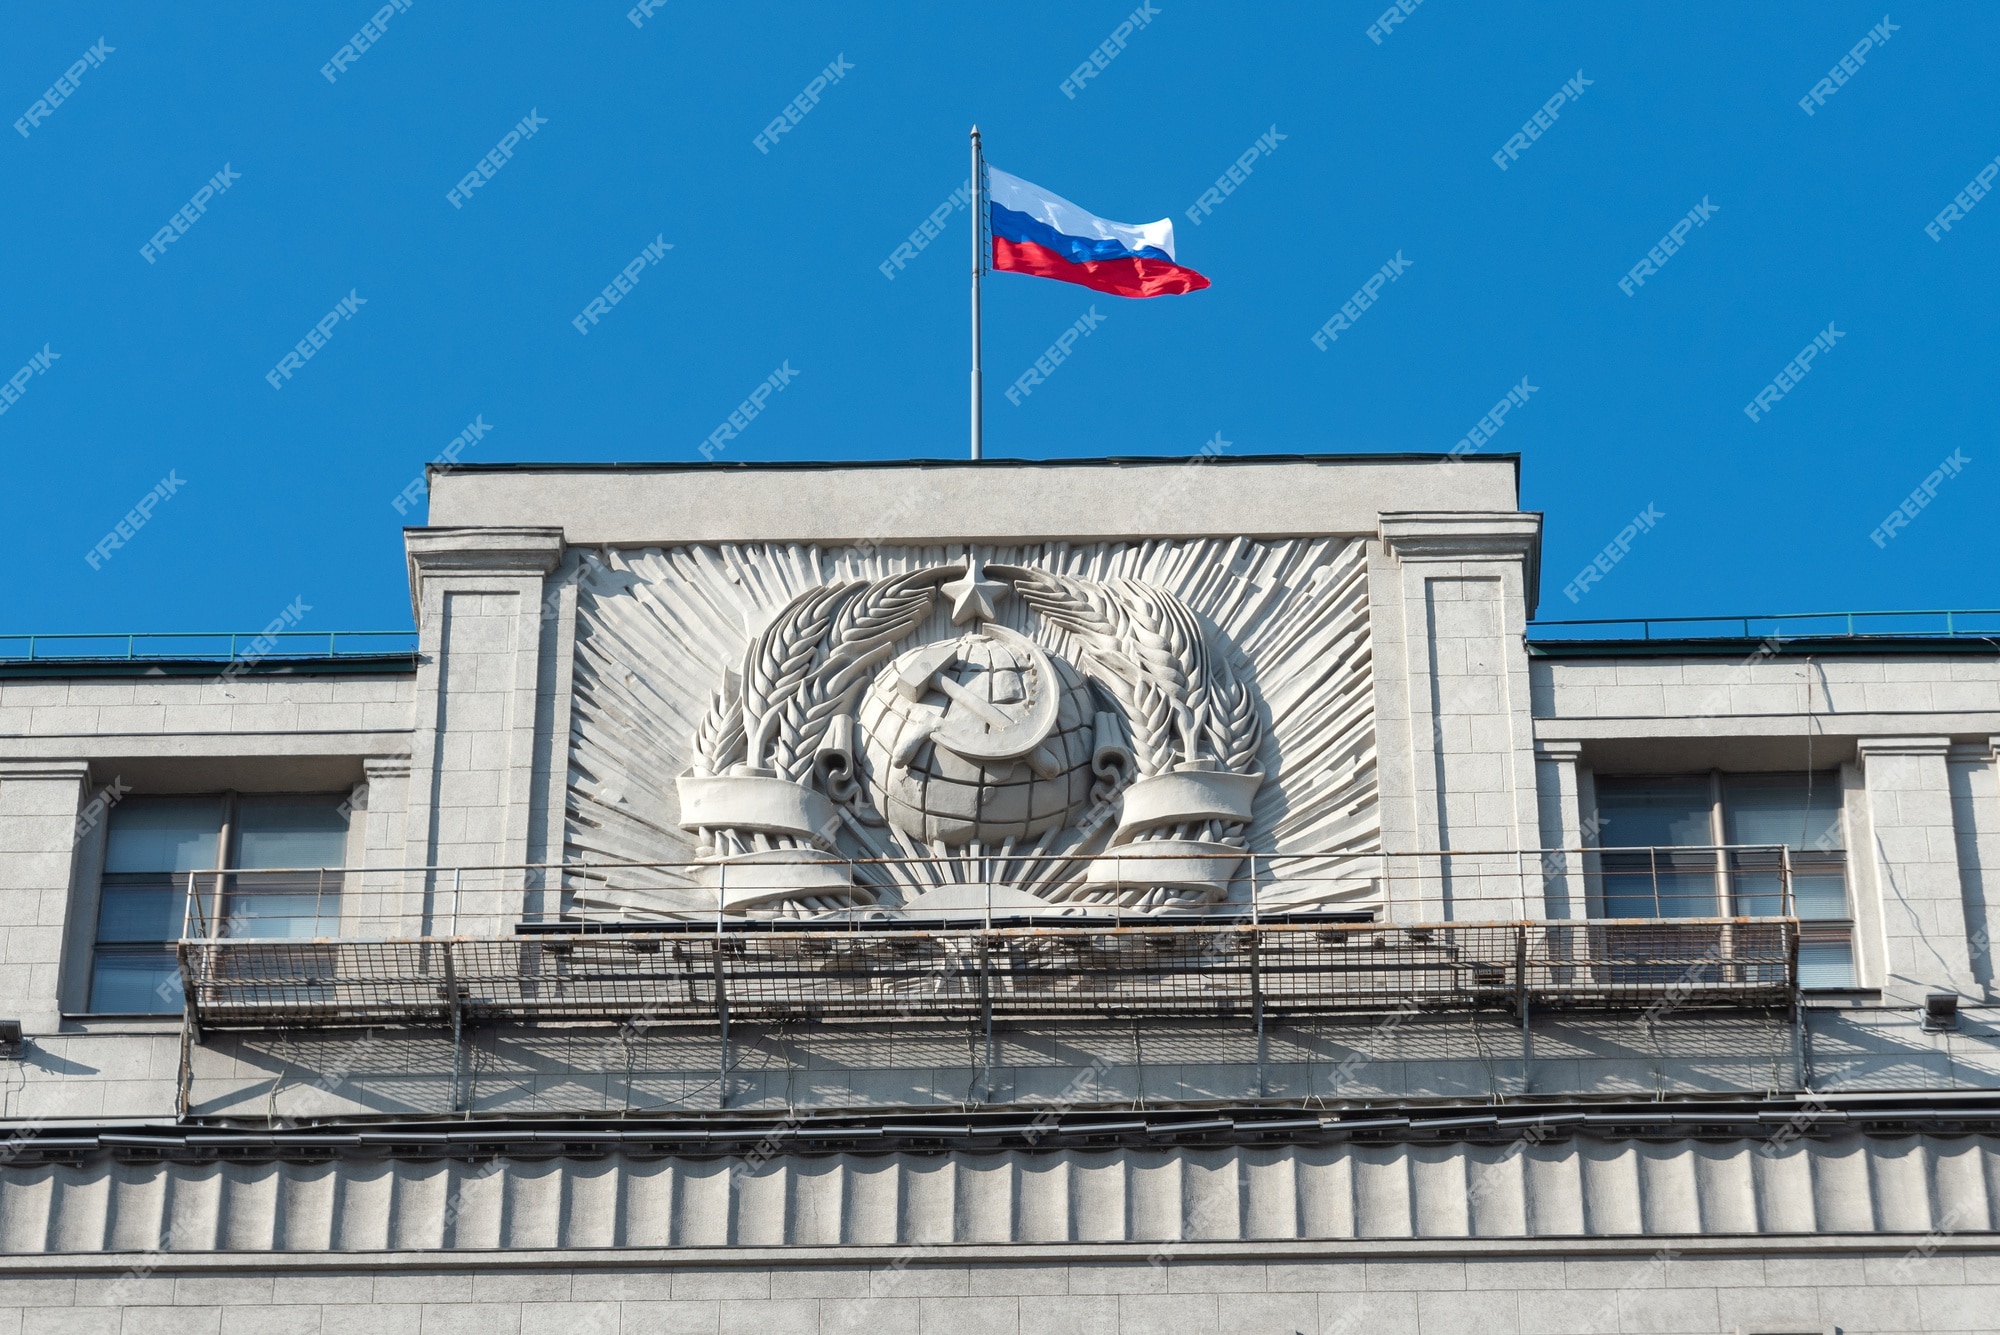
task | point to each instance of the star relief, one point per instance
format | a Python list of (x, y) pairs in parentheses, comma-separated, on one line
[(972, 594)]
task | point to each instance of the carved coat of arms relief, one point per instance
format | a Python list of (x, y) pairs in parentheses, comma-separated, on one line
[(1034, 736)]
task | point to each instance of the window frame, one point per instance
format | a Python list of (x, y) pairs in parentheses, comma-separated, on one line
[(1846, 927), (77, 974), (80, 988)]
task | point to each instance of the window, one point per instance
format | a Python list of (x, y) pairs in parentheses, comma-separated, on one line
[(154, 843), (1675, 847), (151, 846), (293, 833), (1801, 812), (1649, 819)]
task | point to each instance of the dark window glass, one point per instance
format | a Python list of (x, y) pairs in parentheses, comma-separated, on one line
[(308, 831), (295, 833), (150, 845), (139, 908), (135, 981), (1800, 812), (1768, 820), (1654, 812), (163, 834), (1826, 955), (1641, 822)]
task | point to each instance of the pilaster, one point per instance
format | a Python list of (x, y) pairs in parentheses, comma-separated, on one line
[(549, 797), (382, 806), (1975, 802), (1913, 844), (478, 599), (1467, 583), (1561, 811), (41, 807)]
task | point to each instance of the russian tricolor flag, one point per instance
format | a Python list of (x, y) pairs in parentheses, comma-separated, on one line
[(1040, 233)]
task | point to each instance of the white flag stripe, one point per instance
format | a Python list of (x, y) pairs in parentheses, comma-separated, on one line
[(1011, 192)]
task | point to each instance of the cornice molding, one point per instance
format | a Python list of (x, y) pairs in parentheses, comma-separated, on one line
[(1458, 535), (439, 552), (1903, 746), (515, 550), (46, 771), (1415, 536)]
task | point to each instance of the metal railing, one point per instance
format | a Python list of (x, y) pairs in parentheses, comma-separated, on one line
[(420, 901), (1941, 624), (659, 942), (423, 901), (223, 646), (1002, 972), (204, 646)]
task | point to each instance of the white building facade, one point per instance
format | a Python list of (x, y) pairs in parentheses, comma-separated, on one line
[(1112, 895)]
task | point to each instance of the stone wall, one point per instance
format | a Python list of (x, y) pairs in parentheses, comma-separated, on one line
[(1857, 1286)]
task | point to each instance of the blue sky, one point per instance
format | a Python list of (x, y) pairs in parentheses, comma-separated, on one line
[(465, 313)]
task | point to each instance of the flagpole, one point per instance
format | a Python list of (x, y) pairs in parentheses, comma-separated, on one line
[(978, 264)]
